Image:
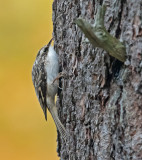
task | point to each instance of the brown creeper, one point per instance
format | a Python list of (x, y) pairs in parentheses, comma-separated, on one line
[(44, 72)]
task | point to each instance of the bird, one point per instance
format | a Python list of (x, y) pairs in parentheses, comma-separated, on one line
[(44, 72)]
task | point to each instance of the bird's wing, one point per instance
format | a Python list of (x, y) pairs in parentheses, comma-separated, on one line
[(40, 85)]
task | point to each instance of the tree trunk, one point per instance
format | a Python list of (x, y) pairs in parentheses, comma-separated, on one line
[(100, 103)]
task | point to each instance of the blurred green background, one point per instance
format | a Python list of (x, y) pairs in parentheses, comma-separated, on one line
[(25, 26)]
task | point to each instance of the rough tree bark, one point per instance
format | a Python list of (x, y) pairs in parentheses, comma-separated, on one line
[(100, 103)]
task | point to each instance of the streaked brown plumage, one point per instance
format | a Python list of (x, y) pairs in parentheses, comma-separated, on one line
[(45, 70)]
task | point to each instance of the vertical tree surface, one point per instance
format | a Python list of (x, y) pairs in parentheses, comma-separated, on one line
[(100, 103)]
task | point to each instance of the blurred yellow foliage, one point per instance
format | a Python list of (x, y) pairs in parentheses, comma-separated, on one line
[(25, 27)]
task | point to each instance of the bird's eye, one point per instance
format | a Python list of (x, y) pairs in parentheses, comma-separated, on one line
[(45, 49)]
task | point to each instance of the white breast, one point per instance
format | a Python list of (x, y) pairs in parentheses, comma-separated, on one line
[(52, 65)]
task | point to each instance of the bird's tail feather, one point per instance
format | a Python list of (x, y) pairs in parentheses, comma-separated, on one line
[(58, 123)]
